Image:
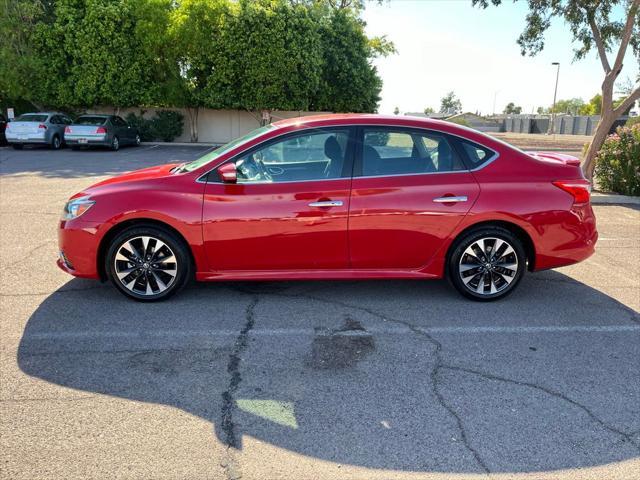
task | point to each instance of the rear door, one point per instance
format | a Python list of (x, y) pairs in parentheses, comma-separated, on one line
[(409, 192)]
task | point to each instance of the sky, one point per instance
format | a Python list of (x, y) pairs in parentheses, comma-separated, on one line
[(446, 45)]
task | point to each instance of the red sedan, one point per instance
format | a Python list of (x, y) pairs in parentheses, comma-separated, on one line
[(336, 197)]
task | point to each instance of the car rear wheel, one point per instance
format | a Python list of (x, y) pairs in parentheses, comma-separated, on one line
[(55, 142), (115, 143), (148, 263), (487, 264)]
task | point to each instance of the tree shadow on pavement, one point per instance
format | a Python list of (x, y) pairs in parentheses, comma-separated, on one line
[(399, 375)]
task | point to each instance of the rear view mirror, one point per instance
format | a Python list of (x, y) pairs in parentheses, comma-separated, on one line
[(228, 173)]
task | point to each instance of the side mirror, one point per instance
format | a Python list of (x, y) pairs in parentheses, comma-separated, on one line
[(228, 173)]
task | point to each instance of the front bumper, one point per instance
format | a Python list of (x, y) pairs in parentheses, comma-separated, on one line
[(78, 244)]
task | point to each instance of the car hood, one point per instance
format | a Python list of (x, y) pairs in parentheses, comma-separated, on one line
[(149, 173)]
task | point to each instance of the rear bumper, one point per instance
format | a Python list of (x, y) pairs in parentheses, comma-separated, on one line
[(27, 139), (98, 140), (78, 244), (570, 239)]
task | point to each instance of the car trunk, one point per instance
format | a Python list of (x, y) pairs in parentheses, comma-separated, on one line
[(26, 128), (84, 130)]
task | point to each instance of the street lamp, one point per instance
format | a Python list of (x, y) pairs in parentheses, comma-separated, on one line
[(552, 126)]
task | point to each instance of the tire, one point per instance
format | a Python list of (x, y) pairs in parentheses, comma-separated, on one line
[(115, 143), (137, 141), (17, 146), (145, 280), (479, 275), (56, 143)]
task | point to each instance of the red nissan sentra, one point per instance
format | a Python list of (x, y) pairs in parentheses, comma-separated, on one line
[(336, 197)]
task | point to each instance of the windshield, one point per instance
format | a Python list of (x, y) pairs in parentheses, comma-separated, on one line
[(90, 120), (32, 118), (189, 167)]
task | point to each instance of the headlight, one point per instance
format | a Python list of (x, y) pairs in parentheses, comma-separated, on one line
[(76, 207)]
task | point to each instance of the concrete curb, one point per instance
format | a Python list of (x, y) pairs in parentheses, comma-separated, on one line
[(598, 198)]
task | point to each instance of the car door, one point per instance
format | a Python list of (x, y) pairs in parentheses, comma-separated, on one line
[(124, 132), (288, 209), (410, 190)]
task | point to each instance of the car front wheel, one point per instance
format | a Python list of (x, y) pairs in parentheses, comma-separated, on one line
[(115, 143), (486, 264), (148, 263)]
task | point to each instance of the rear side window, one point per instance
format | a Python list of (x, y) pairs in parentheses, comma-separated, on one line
[(387, 151), (89, 120), (477, 154), (32, 118)]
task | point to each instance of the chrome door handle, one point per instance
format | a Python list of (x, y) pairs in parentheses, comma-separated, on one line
[(462, 198), (329, 203)]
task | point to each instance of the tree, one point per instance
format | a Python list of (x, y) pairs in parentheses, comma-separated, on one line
[(348, 81), (511, 109), (429, 111), (192, 55), (594, 107), (593, 24), (450, 104), (571, 106)]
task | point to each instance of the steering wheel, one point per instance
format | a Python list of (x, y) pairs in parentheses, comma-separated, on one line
[(263, 172), (252, 169)]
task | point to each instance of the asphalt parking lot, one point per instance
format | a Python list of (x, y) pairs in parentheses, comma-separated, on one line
[(307, 380)]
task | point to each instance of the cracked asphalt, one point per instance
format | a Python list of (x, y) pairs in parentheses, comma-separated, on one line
[(307, 380)]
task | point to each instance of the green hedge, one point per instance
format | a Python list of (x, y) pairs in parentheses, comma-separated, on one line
[(618, 162), (165, 125)]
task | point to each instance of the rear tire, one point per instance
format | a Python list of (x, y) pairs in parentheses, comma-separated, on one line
[(56, 143), (148, 263), (487, 263)]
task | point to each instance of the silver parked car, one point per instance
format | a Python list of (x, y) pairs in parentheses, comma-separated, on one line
[(101, 130), (44, 128)]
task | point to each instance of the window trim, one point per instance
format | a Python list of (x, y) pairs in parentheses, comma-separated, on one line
[(357, 148), (347, 167)]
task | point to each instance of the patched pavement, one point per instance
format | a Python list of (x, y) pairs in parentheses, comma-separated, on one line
[(297, 380)]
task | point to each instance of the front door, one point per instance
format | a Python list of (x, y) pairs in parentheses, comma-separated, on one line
[(289, 208), (410, 190)]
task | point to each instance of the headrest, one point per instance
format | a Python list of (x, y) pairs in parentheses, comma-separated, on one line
[(332, 148)]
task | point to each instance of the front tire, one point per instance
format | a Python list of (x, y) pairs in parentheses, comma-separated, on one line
[(487, 263), (148, 263), (115, 143)]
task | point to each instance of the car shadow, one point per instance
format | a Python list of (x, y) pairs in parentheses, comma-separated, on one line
[(361, 373), (67, 163)]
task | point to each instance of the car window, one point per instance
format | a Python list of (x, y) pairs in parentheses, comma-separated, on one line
[(477, 154), (388, 151), (90, 120), (119, 121), (55, 120), (308, 156), (29, 117)]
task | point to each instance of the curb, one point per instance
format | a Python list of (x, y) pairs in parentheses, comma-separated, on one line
[(598, 198), (181, 144)]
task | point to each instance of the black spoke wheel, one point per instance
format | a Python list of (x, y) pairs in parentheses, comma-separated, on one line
[(486, 264), (148, 263)]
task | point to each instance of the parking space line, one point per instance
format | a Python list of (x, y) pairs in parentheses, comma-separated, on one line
[(310, 331)]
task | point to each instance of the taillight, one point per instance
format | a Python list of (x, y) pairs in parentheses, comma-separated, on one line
[(579, 189), (42, 126), (101, 130), (67, 129)]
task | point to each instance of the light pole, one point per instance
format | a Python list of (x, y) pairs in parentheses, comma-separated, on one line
[(495, 96), (552, 126)]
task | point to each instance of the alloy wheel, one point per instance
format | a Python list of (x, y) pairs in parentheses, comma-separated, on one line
[(145, 265), (488, 266)]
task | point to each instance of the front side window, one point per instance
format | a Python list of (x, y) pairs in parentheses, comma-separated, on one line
[(386, 151), (317, 155)]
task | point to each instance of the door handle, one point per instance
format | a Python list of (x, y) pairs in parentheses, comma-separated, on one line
[(462, 198), (328, 203)]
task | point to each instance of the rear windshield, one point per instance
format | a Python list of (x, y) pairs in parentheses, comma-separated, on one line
[(32, 118), (90, 120)]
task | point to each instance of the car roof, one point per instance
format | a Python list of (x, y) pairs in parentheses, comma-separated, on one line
[(361, 119), (103, 115)]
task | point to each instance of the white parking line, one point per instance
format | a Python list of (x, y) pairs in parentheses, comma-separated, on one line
[(309, 331)]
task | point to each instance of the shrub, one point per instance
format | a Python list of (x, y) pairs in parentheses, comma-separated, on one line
[(618, 162), (167, 125), (144, 126), (631, 121), (459, 121)]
